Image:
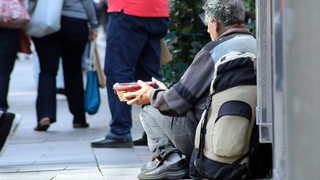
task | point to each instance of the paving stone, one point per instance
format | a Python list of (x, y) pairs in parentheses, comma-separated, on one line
[(83, 174), (122, 173)]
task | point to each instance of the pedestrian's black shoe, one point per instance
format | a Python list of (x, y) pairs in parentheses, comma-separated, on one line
[(143, 141), (6, 120), (112, 142), (80, 125), (43, 124), (176, 170)]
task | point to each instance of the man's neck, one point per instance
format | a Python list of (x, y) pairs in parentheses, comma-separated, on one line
[(227, 29)]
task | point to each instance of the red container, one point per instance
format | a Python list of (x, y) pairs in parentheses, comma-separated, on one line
[(121, 88)]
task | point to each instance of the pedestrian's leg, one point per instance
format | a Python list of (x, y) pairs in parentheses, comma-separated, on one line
[(9, 44), (148, 64), (121, 122), (48, 51), (125, 42), (74, 34), (124, 45)]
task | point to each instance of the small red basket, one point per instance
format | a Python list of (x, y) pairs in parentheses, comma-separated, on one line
[(121, 88)]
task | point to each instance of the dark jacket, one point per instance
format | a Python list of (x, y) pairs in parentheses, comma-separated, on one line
[(188, 96)]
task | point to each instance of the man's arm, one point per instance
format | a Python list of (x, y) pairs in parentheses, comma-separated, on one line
[(185, 94)]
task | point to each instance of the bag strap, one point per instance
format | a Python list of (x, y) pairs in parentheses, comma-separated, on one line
[(203, 130), (91, 60)]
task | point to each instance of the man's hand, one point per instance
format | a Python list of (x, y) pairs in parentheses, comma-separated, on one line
[(159, 84), (92, 34), (141, 96)]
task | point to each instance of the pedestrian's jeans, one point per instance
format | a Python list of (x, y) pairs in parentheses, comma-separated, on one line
[(9, 45), (132, 53), (167, 134)]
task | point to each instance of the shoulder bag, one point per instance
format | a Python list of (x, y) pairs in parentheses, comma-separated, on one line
[(13, 14), (45, 18)]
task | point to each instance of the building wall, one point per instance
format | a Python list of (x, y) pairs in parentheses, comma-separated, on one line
[(301, 88)]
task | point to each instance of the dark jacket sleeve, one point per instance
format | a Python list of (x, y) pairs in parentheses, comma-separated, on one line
[(184, 95)]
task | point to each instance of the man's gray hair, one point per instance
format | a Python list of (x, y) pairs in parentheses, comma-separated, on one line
[(228, 12)]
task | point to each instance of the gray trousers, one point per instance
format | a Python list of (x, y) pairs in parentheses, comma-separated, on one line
[(166, 133)]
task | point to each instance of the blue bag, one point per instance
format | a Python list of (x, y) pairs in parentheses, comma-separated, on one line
[(92, 93)]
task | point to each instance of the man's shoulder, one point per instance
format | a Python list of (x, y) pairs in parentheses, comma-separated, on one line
[(224, 38), (209, 46)]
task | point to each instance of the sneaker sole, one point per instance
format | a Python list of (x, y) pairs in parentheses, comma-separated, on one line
[(167, 175), (15, 123)]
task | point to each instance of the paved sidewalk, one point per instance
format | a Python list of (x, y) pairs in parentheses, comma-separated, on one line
[(62, 152)]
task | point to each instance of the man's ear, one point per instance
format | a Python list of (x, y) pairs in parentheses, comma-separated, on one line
[(217, 24)]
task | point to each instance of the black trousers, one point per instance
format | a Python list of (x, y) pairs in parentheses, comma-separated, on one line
[(68, 43), (9, 45)]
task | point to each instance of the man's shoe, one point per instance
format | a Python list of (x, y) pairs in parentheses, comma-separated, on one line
[(112, 142), (80, 125), (43, 124), (176, 170), (143, 141), (150, 165)]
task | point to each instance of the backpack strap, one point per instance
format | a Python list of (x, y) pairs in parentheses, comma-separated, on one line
[(203, 130)]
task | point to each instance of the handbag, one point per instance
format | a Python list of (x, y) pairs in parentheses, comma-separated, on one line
[(25, 43), (91, 93), (45, 18), (13, 14), (165, 55)]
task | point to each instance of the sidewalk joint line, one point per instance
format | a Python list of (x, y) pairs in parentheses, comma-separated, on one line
[(97, 162)]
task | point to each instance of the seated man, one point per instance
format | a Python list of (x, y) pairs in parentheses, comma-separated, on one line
[(170, 116)]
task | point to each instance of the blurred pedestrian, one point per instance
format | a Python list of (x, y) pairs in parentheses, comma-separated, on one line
[(9, 46), (68, 43), (135, 28)]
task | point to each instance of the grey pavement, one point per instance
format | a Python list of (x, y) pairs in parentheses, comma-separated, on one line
[(63, 152)]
